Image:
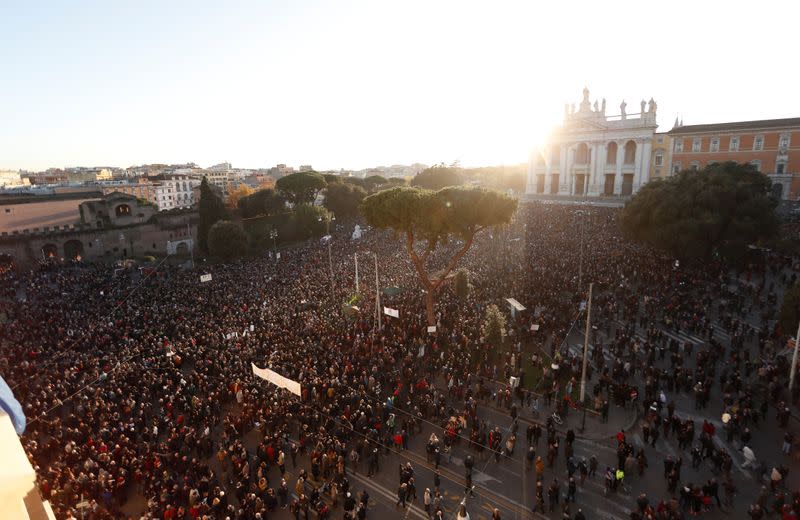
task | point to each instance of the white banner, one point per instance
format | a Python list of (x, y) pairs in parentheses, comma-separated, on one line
[(205, 278), (391, 312), (515, 305), (277, 379), (431, 328), (534, 327)]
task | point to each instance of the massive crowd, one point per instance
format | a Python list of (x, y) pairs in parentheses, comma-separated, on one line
[(138, 386)]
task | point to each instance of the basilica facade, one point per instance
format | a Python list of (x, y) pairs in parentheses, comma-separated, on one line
[(595, 154)]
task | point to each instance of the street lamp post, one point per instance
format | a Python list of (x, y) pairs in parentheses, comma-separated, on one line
[(328, 234), (273, 234), (794, 359), (585, 356)]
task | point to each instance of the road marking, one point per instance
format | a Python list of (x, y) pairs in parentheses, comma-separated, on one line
[(610, 499), (383, 491), (592, 444)]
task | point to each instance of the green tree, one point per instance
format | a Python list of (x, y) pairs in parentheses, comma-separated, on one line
[(790, 310), (373, 182), (434, 217), (212, 210), (227, 240), (693, 215), (394, 182), (461, 284), (301, 187), (494, 326), (438, 177), (343, 199), (262, 202), (331, 178), (309, 221)]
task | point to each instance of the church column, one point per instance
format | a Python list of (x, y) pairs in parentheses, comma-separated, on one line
[(618, 173), (637, 168), (548, 169), (564, 170), (530, 186), (597, 158), (646, 158)]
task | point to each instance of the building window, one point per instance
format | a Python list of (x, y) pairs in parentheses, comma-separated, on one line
[(734, 145), (678, 145), (694, 165), (783, 144), (758, 143), (757, 164), (696, 142), (714, 146), (780, 168), (659, 159), (676, 168)]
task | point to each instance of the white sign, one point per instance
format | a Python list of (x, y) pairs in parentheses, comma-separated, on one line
[(431, 328), (513, 382), (205, 278), (535, 327), (277, 379), (277, 256), (391, 312)]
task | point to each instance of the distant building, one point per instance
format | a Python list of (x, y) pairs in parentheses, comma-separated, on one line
[(114, 226), (12, 178), (176, 191), (220, 178), (221, 167), (772, 146), (594, 154), (661, 155), (81, 174), (281, 170), (305, 168), (51, 176), (166, 191)]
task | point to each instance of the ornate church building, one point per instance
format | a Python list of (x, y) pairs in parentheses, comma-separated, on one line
[(594, 154)]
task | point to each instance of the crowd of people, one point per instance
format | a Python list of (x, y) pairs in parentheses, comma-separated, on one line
[(141, 400)]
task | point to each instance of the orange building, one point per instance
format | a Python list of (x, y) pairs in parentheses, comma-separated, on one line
[(772, 145)]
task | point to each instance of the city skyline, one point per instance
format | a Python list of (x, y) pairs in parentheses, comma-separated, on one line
[(353, 84)]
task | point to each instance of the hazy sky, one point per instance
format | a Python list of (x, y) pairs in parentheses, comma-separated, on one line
[(356, 84)]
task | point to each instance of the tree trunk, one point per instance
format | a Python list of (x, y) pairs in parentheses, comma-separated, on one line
[(430, 300)]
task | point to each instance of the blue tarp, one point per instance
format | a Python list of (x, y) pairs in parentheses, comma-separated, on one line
[(12, 407)]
